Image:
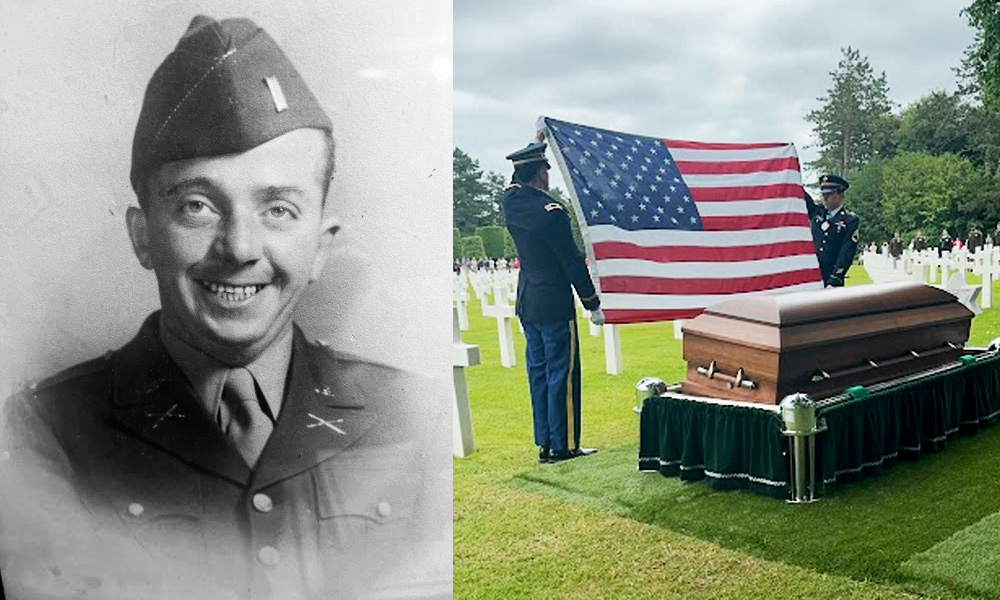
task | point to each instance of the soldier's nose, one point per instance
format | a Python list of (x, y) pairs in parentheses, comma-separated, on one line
[(239, 239)]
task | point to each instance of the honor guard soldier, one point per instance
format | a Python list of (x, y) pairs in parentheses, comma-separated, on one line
[(945, 242), (919, 241), (834, 230), (974, 240), (896, 246), (550, 265), (220, 454)]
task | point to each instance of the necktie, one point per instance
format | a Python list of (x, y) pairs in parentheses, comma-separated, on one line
[(247, 426)]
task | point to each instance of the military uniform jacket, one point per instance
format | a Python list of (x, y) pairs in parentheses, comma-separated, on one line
[(836, 241), (895, 248), (945, 244), (975, 240), (550, 261), (118, 483)]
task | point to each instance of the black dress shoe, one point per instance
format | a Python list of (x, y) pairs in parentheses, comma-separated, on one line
[(568, 454), (543, 455)]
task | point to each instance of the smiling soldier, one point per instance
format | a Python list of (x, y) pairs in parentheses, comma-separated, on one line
[(222, 453)]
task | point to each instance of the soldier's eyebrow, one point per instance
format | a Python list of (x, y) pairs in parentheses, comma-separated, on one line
[(185, 185), (278, 191)]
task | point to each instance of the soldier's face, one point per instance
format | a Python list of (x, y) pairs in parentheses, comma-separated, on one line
[(833, 201), (234, 241)]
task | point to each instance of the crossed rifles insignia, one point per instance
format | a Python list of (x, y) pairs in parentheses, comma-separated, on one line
[(327, 423)]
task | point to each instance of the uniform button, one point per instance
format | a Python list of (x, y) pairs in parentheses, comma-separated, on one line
[(263, 503), (269, 556), (384, 510), (135, 509)]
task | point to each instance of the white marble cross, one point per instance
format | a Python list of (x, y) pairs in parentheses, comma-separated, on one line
[(460, 295), (987, 266), (503, 312), (613, 363), (463, 355)]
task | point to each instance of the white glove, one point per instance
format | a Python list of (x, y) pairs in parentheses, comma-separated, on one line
[(597, 317)]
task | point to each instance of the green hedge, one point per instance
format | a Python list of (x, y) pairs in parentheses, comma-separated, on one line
[(509, 247), (493, 242), (472, 247)]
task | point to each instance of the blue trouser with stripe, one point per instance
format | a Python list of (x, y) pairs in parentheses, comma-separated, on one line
[(553, 360)]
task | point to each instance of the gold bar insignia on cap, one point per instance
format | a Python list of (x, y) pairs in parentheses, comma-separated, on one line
[(280, 104)]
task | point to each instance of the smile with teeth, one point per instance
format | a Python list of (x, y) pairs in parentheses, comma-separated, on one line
[(231, 293)]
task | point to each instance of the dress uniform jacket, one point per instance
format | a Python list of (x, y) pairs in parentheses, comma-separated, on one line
[(836, 240), (975, 240), (550, 260), (117, 456), (945, 243), (895, 247)]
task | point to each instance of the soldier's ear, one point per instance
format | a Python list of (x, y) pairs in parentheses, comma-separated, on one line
[(138, 232), (328, 229)]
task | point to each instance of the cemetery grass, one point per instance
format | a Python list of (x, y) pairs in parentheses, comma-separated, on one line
[(596, 527)]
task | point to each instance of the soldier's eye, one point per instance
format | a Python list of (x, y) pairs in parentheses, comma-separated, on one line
[(194, 207), (281, 212)]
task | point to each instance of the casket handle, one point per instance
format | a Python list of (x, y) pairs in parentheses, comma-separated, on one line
[(869, 364), (738, 380)]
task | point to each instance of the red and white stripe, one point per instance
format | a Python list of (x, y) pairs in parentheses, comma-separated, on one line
[(755, 238)]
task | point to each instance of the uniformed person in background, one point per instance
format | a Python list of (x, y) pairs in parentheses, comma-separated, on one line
[(945, 242), (220, 454), (834, 230), (974, 239), (550, 265), (895, 247), (919, 241)]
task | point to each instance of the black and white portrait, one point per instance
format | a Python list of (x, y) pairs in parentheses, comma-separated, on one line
[(222, 316)]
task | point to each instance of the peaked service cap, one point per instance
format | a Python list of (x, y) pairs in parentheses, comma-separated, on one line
[(534, 151), (227, 87), (833, 183)]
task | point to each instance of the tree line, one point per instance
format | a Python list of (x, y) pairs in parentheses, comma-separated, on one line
[(931, 165)]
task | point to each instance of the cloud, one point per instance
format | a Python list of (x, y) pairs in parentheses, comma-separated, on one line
[(709, 70)]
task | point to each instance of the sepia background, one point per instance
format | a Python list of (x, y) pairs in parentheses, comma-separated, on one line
[(73, 78)]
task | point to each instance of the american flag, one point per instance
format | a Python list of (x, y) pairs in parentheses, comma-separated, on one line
[(673, 227)]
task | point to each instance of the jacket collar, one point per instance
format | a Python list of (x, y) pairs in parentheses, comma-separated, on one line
[(323, 412)]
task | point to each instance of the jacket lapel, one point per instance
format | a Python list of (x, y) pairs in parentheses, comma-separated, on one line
[(153, 400), (323, 413)]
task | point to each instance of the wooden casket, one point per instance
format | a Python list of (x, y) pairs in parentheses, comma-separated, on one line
[(762, 348)]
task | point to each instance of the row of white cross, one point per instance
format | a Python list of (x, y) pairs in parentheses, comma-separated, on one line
[(496, 291), (947, 271)]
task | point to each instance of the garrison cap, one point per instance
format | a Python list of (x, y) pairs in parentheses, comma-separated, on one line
[(833, 184), (533, 152), (226, 88)]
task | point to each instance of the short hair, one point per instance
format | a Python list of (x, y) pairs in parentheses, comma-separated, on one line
[(326, 173), (525, 172), (328, 168)]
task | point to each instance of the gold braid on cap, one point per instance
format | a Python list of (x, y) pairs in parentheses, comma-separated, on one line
[(528, 160)]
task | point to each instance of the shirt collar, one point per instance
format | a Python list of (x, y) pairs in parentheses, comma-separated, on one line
[(833, 213), (207, 375)]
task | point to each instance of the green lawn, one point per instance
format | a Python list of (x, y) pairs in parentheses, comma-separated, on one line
[(597, 528)]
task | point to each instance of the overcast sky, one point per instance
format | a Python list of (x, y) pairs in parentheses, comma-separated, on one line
[(706, 70)]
